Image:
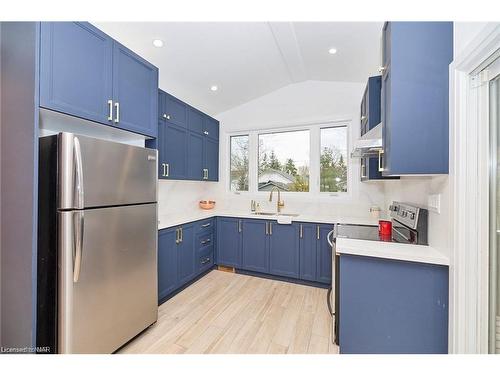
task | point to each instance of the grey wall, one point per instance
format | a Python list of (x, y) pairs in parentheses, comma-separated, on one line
[(18, 170)]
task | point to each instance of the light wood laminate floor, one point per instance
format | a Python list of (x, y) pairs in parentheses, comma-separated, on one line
[(230, 313)]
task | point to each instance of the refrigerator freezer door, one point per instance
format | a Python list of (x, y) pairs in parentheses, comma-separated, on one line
[(114, 296), (97, 173)]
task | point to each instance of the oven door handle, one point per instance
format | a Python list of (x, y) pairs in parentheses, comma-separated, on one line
[(329, 238)]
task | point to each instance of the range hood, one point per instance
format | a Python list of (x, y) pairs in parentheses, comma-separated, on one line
[(369, 144)]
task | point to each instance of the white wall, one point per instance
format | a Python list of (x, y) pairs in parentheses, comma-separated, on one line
[(464, 33)]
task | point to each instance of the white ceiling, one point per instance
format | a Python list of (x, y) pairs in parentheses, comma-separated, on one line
[(249, 59)]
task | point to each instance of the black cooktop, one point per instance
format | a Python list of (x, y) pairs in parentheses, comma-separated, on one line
[(360, 232)]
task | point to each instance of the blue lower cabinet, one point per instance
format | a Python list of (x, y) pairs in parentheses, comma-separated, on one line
[(254, 246), (205, 258), (307, 252), (167, 262), (229, 241), (389, 306), (284, 249), (324, 254), (186, 254)]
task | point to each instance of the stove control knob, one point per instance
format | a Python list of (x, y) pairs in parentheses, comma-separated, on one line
[(404, 213), (412, 216)]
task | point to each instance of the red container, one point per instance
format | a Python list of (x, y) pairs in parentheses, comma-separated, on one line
[(385, 228)]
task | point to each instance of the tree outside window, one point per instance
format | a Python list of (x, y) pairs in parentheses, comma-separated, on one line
[(284, 161), (333, 159), (239, 163)]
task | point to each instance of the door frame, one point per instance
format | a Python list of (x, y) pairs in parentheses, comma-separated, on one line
[(469, 195)]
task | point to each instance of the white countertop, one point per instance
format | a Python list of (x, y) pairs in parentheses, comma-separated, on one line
[(391, 250), (177, 218)]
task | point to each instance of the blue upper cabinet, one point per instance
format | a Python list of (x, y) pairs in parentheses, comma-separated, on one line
[(175, 111), (76, 70), (195, 144), (173, 148), (135, 92), (284, 250), (193, 152), (211, 159), (85, 73), (415, 86), (211, 127), (371, 117), (195, 120), (195, 166)]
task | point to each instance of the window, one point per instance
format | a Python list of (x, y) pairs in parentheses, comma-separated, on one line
[(333, 159), (239, 163), (284, 161)]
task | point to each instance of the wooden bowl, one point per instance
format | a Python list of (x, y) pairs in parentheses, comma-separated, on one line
[(207, 205)]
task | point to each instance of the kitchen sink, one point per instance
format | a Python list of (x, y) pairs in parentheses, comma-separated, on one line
[(274, 214)]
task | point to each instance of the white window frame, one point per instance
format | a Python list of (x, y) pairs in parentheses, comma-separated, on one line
[(314, 161)]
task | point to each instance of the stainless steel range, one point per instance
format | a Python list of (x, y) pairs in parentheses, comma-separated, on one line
[(409, 223)]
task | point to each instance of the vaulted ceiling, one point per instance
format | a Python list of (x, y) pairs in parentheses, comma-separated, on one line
[(249, 59)]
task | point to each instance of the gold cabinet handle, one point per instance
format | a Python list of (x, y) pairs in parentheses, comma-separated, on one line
[(270, 228), (239, 226), (317, 232), (110, 108), (267, 230), (117, 118), (301, 233), (177, 236)]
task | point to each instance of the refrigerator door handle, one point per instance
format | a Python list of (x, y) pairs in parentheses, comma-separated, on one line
[(78, 230), (77, 152)]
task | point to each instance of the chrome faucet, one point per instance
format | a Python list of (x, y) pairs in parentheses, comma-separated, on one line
[(280, 203)]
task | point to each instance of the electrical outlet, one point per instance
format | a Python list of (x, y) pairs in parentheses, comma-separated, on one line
[(434, 203)]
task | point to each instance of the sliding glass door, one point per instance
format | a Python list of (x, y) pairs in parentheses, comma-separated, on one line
[(494, 254)]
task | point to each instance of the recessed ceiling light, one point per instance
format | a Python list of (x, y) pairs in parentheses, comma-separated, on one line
[(158, 43), (214, 88), (332, 51)]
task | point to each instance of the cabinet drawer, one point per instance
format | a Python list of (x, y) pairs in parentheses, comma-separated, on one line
[(205, 225), (204, 239), (206, 258)]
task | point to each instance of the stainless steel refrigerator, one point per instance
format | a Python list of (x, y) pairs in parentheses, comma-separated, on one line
[(97, 243)]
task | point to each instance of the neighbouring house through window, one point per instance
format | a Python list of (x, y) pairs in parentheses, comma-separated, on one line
[(284, 161)]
